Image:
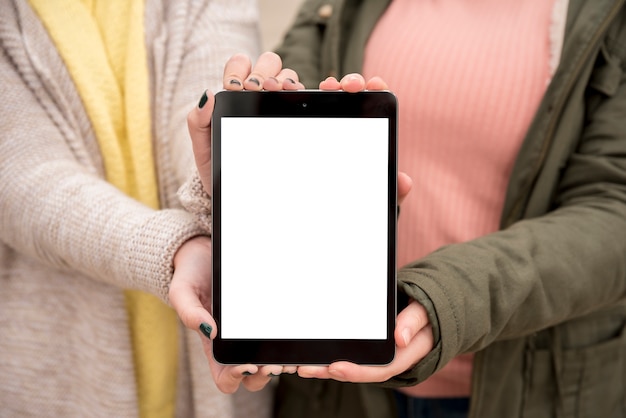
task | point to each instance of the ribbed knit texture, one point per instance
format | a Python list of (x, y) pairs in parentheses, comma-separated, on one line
[(109, 67), (469, 77), (71, 241)]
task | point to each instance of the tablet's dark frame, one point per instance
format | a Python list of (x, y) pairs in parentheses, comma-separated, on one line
[(305, 103)]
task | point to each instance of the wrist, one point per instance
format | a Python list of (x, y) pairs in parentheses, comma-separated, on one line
[(191, 246)]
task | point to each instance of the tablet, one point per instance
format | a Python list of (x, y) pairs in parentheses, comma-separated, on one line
[(304, 227)]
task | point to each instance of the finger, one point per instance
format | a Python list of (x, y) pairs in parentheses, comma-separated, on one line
[(268, 65), (260, 379), (286, 79), (270, 371), (349, 372), (199, 125), (409, 322), (190, 309), (404, 186), (376, 83), (353, 83), (330, 83), (256, 382), (314, 372), (290, 369), (229, 378), (226, 378), (405, 358), (290, 79), (236, 70), (272, 84)]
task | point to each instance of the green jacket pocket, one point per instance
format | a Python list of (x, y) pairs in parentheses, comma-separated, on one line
[(578, 369), (592, 380)]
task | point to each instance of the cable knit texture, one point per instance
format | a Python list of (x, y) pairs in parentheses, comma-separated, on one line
[(70, 242)]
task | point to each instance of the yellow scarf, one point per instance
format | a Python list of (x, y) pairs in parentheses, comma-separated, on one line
[(102, 44)]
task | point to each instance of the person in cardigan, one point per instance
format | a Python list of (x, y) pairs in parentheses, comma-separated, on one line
[(512, 241), (93, 148)]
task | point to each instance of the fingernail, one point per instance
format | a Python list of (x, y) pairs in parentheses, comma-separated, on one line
[(273, 375), (203, 100), (206, 329), (254, 81), (235, 82), (291, 80), (336, 373), (406, 336)]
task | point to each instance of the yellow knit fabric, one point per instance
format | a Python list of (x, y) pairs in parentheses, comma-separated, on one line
[(102, 44)]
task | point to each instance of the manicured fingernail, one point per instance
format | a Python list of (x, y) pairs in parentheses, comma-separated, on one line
[(203, 100), (206, 329), (291, 80), (254, 81), (247, 373), (235, 82)]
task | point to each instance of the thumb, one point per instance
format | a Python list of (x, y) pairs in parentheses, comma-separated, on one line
[(410, 321), (199, 125), (404, 185), (191, 311)]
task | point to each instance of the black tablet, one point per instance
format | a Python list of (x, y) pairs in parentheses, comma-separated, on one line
[(304, 227)]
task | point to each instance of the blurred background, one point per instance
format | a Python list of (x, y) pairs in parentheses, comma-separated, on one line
[(276, 17)]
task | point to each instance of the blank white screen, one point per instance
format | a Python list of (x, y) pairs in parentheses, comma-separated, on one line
[(304, 228)]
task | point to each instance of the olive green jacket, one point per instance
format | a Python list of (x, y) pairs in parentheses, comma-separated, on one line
[(542, 302)]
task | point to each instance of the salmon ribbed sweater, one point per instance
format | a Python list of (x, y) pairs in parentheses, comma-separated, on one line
[(469, 76)]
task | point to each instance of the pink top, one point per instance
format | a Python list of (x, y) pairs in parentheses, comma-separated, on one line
[(469, 76)]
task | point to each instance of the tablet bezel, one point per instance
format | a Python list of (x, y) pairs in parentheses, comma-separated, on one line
[(309, 104)]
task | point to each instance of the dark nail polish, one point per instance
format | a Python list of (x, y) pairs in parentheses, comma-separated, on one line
[(206, 329), (254, 81), (246, 373), (203, 100), (291, 80), (235, 82)]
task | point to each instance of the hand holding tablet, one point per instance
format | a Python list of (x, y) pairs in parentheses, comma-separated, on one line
[(303, 266), (413, 337)]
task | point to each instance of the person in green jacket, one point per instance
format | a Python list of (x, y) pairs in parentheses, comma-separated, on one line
[(539, 301)]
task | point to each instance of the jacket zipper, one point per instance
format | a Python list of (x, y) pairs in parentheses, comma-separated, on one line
[(515, 213), (511, 218)]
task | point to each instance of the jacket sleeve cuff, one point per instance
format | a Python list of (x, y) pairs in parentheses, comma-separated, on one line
[(432, 362)]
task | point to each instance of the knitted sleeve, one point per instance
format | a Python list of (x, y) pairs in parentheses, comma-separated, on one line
[(184, 66), (196, 200), (55, 206)]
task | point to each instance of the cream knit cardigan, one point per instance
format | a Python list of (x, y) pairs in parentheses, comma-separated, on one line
[(70, 242)]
